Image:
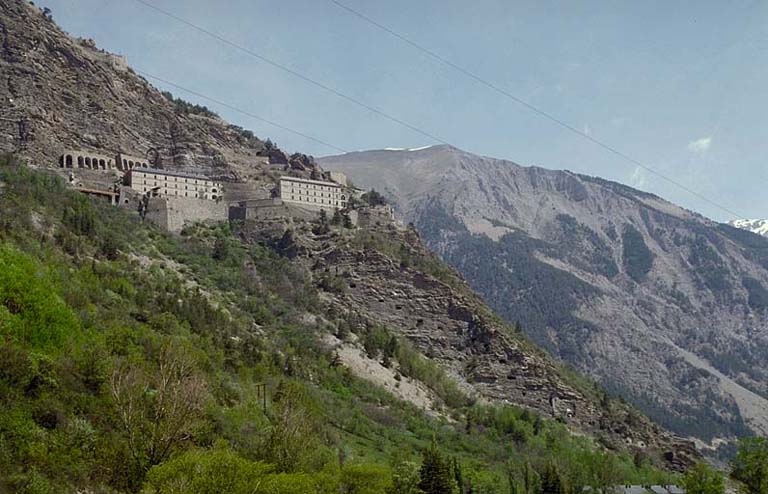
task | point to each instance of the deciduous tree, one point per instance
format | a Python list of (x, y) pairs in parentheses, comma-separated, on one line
[(751, 465)]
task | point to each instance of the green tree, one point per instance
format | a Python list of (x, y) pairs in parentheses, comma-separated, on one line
[(603, 471), (703, 479), (750, 466), (220, 249), (337, 217), (292, 438), (347, 220), (365, 479), (551, 481), (206, 472), (531, 480), (435, 474), (158, 410), (405, 477), (373, 198), (458, 477), (31, 312)]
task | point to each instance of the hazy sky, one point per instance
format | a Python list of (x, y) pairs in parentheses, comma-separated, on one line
[(680, 86)]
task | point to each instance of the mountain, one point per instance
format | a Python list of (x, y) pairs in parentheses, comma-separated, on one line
[(759, 227), (661, 305), (297, 355)]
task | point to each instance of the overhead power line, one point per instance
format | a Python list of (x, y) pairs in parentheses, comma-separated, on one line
[(530, 107), (293, 72), (238, 110), (414, 128)]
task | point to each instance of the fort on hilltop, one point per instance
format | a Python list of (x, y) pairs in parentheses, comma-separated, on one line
[(173, 199)]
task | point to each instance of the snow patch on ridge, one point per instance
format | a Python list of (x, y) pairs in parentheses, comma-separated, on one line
[(421, 148), (755, 226), (406, 149)]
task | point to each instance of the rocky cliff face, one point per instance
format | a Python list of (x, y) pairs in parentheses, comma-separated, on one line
[(386, 277), (58, 93), (661, 305)]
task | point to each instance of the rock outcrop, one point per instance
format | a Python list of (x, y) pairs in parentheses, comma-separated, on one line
[(440, 315)]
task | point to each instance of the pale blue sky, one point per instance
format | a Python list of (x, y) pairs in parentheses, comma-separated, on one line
[(680, 86)]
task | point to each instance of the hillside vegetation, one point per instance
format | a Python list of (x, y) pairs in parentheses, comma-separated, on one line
[(134, 361)]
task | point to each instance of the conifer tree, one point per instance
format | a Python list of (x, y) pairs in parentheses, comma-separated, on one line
[(457, 475), (435, 474)]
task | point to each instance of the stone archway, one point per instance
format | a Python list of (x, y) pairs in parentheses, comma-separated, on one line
[(68, 161)]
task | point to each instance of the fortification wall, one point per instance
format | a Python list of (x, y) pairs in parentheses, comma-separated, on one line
[(246, 191), (94, 179), (172, 213), (268, 209)]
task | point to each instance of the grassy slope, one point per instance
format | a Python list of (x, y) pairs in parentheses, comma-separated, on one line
[(96, 307)]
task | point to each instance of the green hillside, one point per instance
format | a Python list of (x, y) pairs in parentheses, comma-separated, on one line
[(135, 361)]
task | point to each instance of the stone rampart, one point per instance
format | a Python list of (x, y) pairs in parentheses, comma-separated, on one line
[(172, 213)]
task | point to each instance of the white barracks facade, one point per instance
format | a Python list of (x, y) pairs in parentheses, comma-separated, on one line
[(314, 194), (169, 184)]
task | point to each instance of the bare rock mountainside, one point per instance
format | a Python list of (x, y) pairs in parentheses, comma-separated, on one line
[(61, 93), (661, 305)]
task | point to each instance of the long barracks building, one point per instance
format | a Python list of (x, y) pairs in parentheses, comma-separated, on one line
[(173, 184), (315, 194)]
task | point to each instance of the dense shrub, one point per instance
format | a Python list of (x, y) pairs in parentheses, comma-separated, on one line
[(636, 256)]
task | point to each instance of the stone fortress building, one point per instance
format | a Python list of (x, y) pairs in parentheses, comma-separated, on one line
[(313, 194), (173, 199), (157, 183)]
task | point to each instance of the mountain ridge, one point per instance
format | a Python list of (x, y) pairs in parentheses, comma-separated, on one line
[(598, 273)]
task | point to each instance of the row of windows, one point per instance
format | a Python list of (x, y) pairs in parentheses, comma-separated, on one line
[(319, 194), (321, 201), (311, 186), (175, 179), (155, 183), (177, 193)]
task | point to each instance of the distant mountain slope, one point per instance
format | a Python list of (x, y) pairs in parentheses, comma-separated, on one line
[(660, 304), (759, 227)]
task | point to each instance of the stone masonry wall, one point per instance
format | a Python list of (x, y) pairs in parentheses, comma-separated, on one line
[(173, 213)]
